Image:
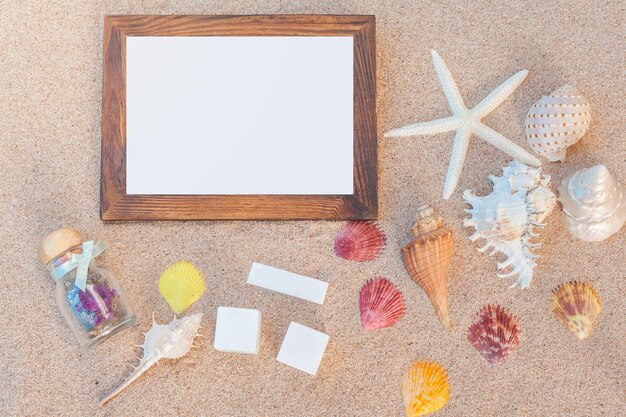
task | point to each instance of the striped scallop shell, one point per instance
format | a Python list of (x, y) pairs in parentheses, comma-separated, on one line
[(495, 334), (556, 122), (381, 304), (576, 305), (359, 241), (181, 284), (425, 388)]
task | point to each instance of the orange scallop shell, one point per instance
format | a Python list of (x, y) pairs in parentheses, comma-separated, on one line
[(381, 304), (425, 388)]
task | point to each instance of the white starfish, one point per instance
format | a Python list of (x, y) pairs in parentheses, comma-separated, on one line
[(466, 122)]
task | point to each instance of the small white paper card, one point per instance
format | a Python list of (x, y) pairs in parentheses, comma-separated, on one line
[(285, 282), (303, 348), (237, 330)]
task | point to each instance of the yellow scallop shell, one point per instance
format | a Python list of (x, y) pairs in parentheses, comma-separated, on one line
[(576, 305), (181, 284), (425, 388)]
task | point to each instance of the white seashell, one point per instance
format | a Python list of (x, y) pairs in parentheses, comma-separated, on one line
[(171, 341), (507, 217), (594, 203), (556, 122)]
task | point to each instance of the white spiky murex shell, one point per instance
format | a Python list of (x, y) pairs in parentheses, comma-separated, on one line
[(594, 203), (508, 218), (163, 341), (556, 122)]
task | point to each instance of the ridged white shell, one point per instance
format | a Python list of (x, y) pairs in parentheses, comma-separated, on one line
[(163, 341), (507, 217), (556, 122), (594, 203)]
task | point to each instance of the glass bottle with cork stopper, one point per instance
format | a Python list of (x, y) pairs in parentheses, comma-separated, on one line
[(87, 294)]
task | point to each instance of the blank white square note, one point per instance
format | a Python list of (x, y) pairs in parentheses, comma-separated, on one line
[(237, 330), (303, 348)]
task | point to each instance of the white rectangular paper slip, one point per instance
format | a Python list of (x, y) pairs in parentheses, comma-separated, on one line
[(285, 282), (237, 330), (303, 348)]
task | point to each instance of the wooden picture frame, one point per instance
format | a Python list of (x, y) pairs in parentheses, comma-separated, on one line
[(117, 205)]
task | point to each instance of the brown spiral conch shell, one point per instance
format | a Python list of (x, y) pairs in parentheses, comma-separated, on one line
[(427, 257)]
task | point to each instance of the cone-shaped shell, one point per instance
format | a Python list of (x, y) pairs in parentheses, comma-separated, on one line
[(359, 241), (425, 388), (381, 304), (495, 334), (181, 285), (556, 122), (427, 257), (594, 203), (576, 305)]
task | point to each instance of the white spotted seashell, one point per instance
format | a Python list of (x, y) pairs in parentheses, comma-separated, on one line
[(556, 122), (594, 203), (507, 218)]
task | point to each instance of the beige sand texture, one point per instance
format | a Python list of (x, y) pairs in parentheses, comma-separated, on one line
[(50, 116)]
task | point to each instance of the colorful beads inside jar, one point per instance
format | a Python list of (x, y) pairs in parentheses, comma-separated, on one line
[(88, 295)]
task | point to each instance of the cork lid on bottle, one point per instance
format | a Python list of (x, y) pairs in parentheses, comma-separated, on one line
[(57, 242)]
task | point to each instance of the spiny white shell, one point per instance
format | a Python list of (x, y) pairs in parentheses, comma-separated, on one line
[(594, 203), (556, 122), (507, 217), (169, 341), (174, 340)]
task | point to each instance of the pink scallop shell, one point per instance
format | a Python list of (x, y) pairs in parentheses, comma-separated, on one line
[(495, 334), (359, 241), (381, 304)]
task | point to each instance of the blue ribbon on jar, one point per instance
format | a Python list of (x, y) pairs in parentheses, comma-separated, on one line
[(80, 262)]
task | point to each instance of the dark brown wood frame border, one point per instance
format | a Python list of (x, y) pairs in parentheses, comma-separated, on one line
[(116, 205)]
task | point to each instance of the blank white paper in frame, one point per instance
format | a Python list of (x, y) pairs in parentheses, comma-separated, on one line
[(239, 115)]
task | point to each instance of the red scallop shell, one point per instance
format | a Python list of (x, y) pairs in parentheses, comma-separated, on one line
[(359, 241), (495, 334), (381, 304)]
